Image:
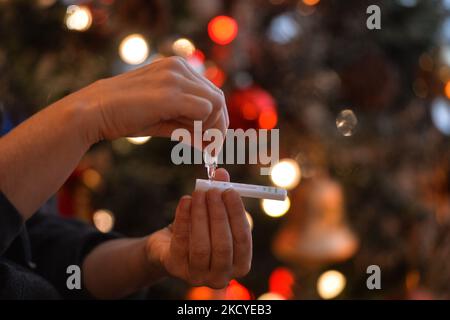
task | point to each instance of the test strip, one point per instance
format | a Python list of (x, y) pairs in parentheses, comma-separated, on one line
[(245, 190)]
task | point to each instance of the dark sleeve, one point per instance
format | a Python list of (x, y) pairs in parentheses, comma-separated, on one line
[(10, 223), (57, 243)]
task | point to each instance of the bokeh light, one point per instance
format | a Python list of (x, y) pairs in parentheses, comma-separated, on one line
[(197, 61), (267, 119), (215, 74), (330, 284), (346, 122), (103, 220), (283, 28), (91, 178), (281, 281), (275, 208), (271, 296), (78, 18), (138, 140), (440, 114), (236, 291), (249, 219), (134, 49), (286, 174), (447, 89), (311, 2), (222, 29), (183, 47)]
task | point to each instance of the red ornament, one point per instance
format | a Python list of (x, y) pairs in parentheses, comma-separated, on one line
[(281, 281), (252, 107), (236, 291), (222, 29)]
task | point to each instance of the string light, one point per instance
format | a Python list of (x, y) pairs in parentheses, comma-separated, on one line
[(78, 18), (183, 47), (103, 220), (222, 29), (134, 49), (138, 140), (330, 284), (275, 208), (286, 174)]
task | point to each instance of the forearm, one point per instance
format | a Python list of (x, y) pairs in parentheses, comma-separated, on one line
[(118, 268), (38, 156)]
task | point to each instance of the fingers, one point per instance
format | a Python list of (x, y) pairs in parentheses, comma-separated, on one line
[(196, 108), (200, 86), (221, 240), (240, 228), (222, 175), (200, 243), (213, 241), (179, 246)]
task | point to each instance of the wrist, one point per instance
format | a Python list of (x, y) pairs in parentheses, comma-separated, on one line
[(154, 259), (83, 109)]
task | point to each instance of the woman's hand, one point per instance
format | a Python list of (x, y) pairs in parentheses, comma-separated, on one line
[(156, 99), (210, 241)]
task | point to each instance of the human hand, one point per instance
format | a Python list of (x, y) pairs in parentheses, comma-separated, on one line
[(209, 242), (156, 99)]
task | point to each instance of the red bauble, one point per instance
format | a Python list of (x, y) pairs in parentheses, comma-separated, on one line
[(252, 107)]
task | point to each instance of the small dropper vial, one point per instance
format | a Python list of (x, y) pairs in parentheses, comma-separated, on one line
[(210, 164)]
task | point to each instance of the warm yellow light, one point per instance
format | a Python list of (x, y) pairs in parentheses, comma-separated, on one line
[(275, 208), (330, 284), (286, 174), (271, 296), (249, 219), (78, 18), (103, 220), (134, 49), (92, 178), (447, 89), (183, 47), (311, 2), (138, 140)]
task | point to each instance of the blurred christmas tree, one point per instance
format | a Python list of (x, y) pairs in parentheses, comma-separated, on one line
[(363, 113)]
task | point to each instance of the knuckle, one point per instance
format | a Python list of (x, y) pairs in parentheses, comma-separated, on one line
[(200, 252), (218, 217), (170, 77), (224, 250), (174, 62)]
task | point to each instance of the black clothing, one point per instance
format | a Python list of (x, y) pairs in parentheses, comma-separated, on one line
[(34, 256)]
